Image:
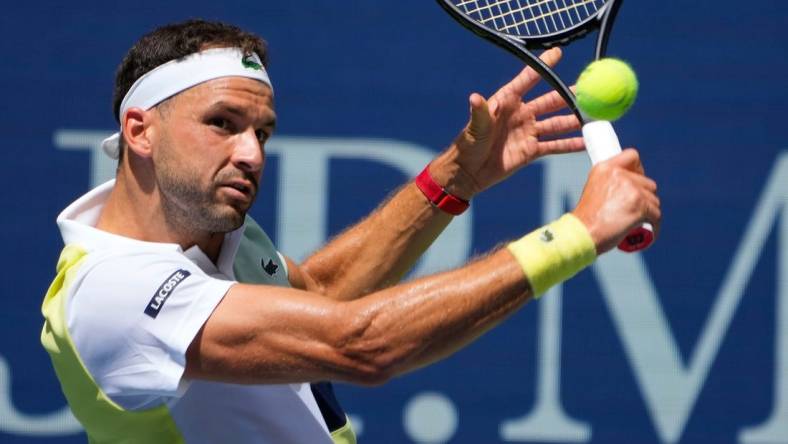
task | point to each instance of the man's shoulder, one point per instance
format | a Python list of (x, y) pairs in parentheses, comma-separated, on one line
[(129, 263), (131, 314), (257, 260), (112, 278)]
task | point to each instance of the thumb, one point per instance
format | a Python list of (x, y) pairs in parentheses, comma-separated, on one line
[(481, 119)]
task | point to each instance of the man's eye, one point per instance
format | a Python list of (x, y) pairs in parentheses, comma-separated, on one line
[(262, 136), (220, 123)]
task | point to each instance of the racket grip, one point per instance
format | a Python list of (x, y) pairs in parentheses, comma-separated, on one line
[(602, 144)]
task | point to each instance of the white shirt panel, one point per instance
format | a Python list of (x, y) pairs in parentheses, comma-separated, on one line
[(139, 361), (270, 414)]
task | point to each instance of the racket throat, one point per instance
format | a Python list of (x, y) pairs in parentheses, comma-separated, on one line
[(552, 79)]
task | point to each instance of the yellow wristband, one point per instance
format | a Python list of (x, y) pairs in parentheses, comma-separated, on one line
[(554, 253)]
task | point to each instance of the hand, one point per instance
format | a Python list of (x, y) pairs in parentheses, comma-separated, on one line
[(504, 134), (617, 198)]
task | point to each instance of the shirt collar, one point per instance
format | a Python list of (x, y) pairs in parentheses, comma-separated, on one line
[(77, 224)]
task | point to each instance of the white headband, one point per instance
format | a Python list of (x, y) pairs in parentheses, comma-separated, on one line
[(179, 75)]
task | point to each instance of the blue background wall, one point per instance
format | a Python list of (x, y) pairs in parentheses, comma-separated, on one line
[(707, 123)]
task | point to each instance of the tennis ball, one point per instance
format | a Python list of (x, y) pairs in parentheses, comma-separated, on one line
[(606, 89)]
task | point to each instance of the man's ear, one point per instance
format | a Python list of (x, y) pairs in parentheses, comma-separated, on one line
[(137, 131)]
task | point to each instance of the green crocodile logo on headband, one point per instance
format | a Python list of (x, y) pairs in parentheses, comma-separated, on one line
[(249, 62)]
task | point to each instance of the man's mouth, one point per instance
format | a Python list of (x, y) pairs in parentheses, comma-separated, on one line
[(240, 186), (240, 189)]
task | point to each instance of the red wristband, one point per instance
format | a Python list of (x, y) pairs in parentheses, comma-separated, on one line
[(438, 196)]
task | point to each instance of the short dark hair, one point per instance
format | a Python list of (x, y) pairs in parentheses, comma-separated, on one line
[(177, 40)]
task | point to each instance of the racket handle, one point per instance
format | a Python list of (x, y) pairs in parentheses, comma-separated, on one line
[(602, 144)]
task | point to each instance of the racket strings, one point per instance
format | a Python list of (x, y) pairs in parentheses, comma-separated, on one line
[(530, 18)]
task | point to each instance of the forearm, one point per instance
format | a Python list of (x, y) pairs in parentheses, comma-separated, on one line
[(378, 251), (414, 324)]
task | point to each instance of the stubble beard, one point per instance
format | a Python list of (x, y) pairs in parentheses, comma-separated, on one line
[(188, 207)]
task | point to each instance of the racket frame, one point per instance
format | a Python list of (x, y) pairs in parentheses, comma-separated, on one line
[(522, 46)]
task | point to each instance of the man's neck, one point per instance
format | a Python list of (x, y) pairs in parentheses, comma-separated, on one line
[(136, 212)]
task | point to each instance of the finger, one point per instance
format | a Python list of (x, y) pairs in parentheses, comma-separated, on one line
[(655, 205), (548, 103), (628, 159), (527, 78), (480, 115), (505, 103), (558, 125), (649, 201), (643, 182), (654, 217), (561, 146), (639, 167)]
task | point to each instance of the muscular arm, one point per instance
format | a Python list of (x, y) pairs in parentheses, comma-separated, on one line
[(265, 335), (375, 253), (502, 135)]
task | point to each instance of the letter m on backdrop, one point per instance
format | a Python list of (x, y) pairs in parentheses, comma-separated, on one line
[(669, 384)]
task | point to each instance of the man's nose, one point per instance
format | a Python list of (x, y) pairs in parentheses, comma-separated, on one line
[(248, 155)]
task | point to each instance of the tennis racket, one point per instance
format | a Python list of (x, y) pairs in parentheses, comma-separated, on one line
[(521, 26)]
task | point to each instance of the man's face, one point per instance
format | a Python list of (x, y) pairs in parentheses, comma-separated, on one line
[(209, 152)]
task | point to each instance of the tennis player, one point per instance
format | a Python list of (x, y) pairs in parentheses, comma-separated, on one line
[(173, 318)]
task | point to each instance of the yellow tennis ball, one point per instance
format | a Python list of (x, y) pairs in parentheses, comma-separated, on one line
[(606, 89)]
